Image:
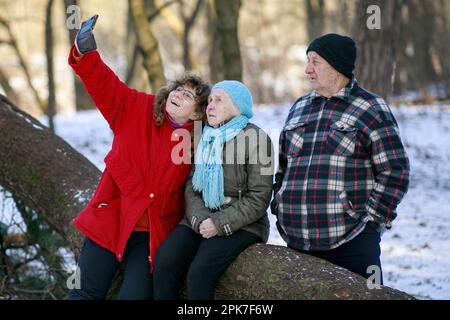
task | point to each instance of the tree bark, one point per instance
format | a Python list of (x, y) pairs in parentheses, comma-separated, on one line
[(51, 103), (224, 16), (47, 175), (443, 47), (377, 49), (43, 171), (275, 272), (315, 22), (148, 43), (217, 71), (132, 49), (189, 22)]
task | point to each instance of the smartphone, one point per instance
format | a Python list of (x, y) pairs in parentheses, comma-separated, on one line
[(89, 24)]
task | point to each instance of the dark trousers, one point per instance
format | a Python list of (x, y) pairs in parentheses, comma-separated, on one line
[(98, 267), (356, 255), (187, 255)]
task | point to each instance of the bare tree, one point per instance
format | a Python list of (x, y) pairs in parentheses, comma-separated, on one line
[(132, 48), (443, 47), (427, 59), (422, 55), (225, 56), (51, 104), (377, 48), (181, 24), (188, 22), (148, 44), (420, 62), (134, 54), (340, 19), (23, 64), (83, 100), (315, 22)]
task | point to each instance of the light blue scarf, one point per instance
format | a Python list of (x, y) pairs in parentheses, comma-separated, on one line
[(208, 176)]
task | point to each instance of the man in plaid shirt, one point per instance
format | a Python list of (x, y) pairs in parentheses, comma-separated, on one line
[(342, 166)]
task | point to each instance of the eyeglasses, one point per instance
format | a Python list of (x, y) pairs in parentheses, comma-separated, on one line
[(186, 94)]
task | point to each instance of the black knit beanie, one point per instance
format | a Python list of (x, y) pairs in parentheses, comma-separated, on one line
[(339, 51)]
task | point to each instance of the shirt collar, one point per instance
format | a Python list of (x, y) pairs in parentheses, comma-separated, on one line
[(343, 94), (188, 125)]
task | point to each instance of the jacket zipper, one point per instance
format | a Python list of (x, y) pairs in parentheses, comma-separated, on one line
[(237, 168)]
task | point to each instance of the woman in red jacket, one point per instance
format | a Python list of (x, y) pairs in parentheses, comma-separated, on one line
[(139, 199)]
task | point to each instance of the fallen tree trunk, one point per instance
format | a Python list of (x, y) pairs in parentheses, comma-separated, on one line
[(43, 171), (275, 272), (53, 179)]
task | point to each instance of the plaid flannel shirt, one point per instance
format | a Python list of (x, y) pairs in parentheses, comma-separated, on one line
[(341, 165)]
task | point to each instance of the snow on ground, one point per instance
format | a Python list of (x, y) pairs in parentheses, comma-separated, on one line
[(416, 251)]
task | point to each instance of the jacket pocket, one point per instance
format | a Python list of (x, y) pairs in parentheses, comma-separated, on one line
[(103, 222), (347, 206), (341, 139), (106, 205), (106, 191), (294, 139)]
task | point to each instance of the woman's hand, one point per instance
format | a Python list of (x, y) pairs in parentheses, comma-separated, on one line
[(208, 229), (85, 41)]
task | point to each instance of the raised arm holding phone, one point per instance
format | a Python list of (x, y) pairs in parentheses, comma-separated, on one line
[(139, 198)]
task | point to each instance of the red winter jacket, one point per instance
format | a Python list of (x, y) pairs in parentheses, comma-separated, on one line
[(139, 173)]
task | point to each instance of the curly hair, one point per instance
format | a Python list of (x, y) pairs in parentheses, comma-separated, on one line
[(200, 87)]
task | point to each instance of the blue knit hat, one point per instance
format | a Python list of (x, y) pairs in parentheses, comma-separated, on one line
[(240, 95)]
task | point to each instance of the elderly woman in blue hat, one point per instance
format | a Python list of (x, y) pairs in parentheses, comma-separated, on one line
[(227, 196)]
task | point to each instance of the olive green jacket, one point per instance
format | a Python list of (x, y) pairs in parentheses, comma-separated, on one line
[(248, 175)]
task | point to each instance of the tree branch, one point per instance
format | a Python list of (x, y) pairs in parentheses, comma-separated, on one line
[(158, 11), (42, 105), (149, 44)]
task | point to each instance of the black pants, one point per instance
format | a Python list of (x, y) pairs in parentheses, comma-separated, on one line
[(187, 255), (98, 267), (357, 254)]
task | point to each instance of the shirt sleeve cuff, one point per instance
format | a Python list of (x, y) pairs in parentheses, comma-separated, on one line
[(82, 63)]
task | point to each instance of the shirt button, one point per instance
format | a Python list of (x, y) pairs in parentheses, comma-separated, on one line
[(152, 195)]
